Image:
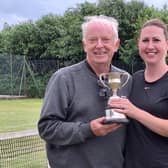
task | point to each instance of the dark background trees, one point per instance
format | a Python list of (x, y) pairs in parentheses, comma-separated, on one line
[(58, 38)]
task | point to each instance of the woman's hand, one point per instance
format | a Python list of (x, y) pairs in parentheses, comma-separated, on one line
[(156, 124), (123, 105)]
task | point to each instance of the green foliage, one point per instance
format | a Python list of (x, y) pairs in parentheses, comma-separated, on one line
[(50, 31), (59, 37), (71, 46), (113, 8), (21, 39)]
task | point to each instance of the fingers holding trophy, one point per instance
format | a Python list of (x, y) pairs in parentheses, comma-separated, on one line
[(112, 81)]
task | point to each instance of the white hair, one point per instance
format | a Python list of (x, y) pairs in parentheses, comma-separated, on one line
[(102, 19)]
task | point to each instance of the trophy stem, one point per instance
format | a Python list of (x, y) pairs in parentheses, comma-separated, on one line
[(115, 93)]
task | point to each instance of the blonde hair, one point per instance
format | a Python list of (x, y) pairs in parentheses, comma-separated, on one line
[(158, 23)]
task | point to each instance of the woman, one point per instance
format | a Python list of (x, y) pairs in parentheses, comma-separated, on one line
[(147, 107)]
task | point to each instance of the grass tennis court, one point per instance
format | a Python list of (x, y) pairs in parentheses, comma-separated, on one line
[(19, 114), (27, 151)]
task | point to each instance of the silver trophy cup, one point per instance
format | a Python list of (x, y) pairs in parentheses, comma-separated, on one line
[(112, 81)]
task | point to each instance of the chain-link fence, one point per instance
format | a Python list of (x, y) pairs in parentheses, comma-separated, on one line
[(19, 76), (13, 73)]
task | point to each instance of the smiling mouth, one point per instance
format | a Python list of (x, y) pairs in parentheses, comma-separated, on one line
[(100, 53), (151, 53)]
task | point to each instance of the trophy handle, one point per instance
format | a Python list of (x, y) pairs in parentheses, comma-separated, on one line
[(128, 76), (102, 78)]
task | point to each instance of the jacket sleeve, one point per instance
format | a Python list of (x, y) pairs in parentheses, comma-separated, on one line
[(53, 125)]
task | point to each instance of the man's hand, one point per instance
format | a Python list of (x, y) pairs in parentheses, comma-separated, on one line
[(100, 129)]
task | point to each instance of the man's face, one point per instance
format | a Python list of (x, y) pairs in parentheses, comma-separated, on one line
[(100, 43)]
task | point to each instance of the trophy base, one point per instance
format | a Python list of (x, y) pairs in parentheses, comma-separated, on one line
[(116, 120), (114, 117)]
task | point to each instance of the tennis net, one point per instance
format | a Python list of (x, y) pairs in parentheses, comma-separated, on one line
[(23, 149)]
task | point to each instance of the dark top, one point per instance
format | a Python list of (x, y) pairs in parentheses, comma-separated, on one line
[(73, 98), (146, 149)]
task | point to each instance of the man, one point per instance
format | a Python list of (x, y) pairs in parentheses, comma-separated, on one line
[(73, 109)]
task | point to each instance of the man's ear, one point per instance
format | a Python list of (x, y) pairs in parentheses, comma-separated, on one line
[(84, 45), (117, 45)]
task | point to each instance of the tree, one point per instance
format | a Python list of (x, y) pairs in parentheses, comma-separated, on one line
[(50, 32), (20, 39), (71, 42)]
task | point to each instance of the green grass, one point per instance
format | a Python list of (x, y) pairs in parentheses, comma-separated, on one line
[(20, 114)]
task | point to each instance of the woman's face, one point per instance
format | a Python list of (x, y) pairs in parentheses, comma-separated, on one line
[(153, 45)]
